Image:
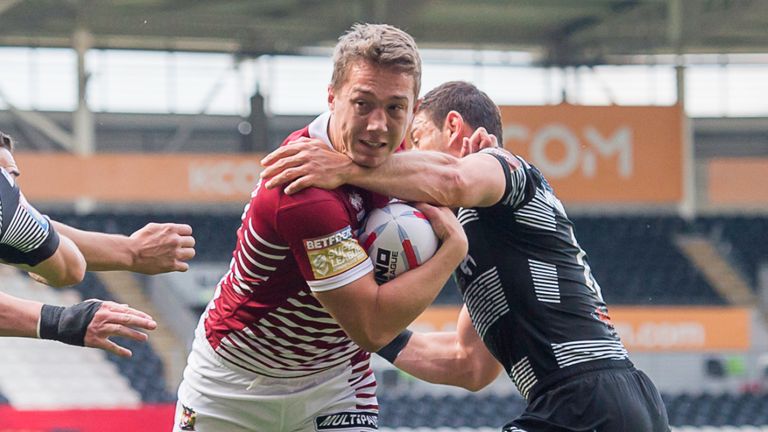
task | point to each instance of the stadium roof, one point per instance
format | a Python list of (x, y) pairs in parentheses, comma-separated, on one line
[(556, 32)]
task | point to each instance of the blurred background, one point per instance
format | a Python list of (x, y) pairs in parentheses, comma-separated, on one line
[(649, 117)]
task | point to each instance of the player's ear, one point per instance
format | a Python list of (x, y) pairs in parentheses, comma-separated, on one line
[(454, 126), (331, 97)]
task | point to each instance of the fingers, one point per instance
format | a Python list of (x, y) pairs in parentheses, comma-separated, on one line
[(182, 229), (108, 345), (126, 332), (465, 147), (186, 254), (429, 210), (180, 266), (124, 312), (282, 171), (278, 154), (281, 174), (479, 140), (113, 319), (187, 241), (297, 185), (290, 149)]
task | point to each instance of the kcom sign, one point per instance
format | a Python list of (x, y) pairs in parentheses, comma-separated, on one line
[(611, 154)]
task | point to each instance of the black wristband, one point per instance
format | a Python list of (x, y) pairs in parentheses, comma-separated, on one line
[(69, 324), (49, 321), (390, 351)]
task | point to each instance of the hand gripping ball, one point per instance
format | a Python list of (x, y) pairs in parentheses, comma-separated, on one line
[(397, 237)]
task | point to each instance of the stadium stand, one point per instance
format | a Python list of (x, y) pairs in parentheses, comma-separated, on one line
[(144, 370), (635, 260), (738, 234), (47, 374)]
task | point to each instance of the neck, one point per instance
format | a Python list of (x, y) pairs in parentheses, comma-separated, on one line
[(336, 140)]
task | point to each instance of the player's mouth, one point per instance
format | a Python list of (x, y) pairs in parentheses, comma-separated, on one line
[(373, 144)]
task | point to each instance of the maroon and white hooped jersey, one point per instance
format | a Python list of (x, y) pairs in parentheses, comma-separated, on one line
[(263, 317)]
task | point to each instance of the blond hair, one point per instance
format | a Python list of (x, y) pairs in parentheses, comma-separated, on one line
[(378, 44)]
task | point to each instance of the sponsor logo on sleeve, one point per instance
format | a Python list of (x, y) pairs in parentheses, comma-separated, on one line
[(348, 421), (334, 254)]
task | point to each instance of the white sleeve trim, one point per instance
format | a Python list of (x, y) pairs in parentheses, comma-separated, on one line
[(340, 280)]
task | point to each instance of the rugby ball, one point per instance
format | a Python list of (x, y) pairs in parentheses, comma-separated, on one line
[(397, 237)]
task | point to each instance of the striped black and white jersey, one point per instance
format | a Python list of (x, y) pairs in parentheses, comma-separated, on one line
[(26, 236), (527, 283)]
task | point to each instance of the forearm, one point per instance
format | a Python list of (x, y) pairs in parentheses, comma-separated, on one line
[(405, 297), (426, 176), (18, 317), (102, 251), (436, 358), (458, 358)]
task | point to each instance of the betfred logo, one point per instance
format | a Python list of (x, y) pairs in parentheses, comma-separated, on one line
[(334, 254), (324, 242)]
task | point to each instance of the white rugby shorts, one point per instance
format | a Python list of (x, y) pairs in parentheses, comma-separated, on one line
[(214, 397)]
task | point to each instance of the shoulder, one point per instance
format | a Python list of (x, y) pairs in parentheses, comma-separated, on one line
[(514, 162), (303, 132), (312, 206)]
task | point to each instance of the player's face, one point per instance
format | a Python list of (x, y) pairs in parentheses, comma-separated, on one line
[(8, 162), (425, 135), (371, 112)]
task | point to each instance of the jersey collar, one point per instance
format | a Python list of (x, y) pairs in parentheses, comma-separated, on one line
[(319, 128)]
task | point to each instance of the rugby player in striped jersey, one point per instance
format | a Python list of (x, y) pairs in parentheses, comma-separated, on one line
[(284, 343)]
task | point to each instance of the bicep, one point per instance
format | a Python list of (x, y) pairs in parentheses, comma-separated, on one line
[(65, 267), (483, 180), (474, 348), (348, 306)]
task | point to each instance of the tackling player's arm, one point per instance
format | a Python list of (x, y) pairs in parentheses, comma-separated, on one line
[(371, 314), (458, 358), (89, 323), (66, 266), (476, 180), (155, 248), (18, 317), (29, 241)]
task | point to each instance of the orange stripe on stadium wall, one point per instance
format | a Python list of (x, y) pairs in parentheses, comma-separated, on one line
[(188, 178), (734, 181), (649, 329), (602, 154)]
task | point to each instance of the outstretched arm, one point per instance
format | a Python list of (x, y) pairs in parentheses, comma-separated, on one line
[(476, 180), (155, 248), (457, 358), (89, 323), (18, 317)]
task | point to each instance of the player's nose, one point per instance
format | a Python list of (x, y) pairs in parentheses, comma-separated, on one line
[(377, 121)]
